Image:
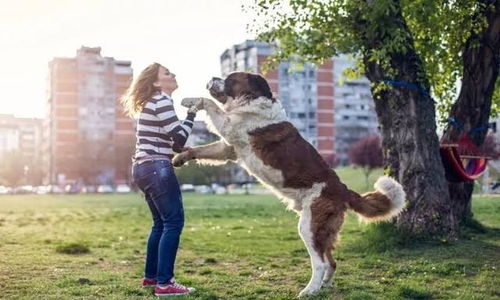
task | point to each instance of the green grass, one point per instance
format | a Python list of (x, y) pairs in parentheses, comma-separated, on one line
[(233, 247), (355, 178)]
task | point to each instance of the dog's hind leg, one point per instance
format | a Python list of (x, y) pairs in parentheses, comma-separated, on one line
[(328, 278), (327, 219), (318, 263)]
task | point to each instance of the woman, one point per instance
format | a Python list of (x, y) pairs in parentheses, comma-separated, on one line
[(159, 133)]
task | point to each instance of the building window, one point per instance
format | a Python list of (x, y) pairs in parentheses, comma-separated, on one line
[(301, 115), (345, 117)]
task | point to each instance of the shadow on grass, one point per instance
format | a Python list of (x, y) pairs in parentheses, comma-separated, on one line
[(413, 293), (385, 237), (72, 248), (471, 227)]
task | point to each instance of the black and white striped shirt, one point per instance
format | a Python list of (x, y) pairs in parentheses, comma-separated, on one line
[(159, 131)]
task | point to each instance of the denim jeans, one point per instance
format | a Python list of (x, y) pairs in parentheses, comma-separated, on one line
[(157, 180)]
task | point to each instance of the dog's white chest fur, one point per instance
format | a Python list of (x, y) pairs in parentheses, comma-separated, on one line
[(243, 119)]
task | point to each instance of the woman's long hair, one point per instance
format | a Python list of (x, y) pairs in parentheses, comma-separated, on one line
[(141, 90)]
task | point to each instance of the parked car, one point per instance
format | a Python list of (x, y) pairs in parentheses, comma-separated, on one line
[(88, 189), (24, 189), (4, 190), (187, 187), (42, 189), (104, 188), (122, 188), (55, 189), (71, 189), (220, 190), (203, 189)]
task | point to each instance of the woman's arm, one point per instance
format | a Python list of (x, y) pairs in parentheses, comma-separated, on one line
[(179, 139), (177, 130)]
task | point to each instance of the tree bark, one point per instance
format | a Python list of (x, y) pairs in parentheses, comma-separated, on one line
[(481, 60), (410, 142)]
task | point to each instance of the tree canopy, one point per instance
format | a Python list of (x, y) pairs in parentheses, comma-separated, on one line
[(315, 30), (413, 52)]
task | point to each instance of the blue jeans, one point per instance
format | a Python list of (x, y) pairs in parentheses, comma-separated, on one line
[(157, 180)]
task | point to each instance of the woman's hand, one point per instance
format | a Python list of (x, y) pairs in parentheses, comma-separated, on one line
[(193, 110)]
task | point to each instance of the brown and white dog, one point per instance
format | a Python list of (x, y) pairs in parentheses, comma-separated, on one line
[(255, 133)]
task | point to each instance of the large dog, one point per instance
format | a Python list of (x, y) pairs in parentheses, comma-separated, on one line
[(255, 133)]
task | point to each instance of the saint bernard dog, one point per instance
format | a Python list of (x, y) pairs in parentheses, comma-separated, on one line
[(256, 134)]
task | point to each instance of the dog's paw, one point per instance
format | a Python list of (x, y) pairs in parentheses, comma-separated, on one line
[(304, 293), (190, 102), (327, 284), (307, 292), (179, 160)]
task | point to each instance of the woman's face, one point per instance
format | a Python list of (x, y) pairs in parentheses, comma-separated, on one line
[(166, 80)]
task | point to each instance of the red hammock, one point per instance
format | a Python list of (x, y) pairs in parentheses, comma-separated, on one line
[(462, 160)]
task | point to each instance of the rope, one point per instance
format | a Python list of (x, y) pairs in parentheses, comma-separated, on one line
[(455, 123), (459, 126), (408, 85), (478, 129), (415, 87)]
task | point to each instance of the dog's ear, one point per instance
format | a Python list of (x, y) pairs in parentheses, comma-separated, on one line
[(258, 83)]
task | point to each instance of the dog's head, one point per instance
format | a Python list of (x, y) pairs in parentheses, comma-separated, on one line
[(239, 85)]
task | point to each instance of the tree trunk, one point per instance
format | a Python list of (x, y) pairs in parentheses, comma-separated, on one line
[(410, 142), (481, 60), (367, 172)]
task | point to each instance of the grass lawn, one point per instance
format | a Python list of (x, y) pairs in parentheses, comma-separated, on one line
[(233, 247)]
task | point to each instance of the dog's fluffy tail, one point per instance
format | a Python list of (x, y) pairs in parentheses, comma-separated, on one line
[(387, 201)]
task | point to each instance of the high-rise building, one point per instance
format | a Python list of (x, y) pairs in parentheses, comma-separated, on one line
[(20, 139), (306, 93), (355, 116), (87, 136), (22, 135)]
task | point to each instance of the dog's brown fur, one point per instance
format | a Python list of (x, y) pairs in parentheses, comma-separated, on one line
[(281, 147)]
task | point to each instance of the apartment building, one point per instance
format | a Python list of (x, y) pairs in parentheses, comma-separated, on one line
[(87, 138), (306, 93), (355, 116)]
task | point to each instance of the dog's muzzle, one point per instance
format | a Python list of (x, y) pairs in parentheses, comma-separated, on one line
[(216, 88), (216, 85)]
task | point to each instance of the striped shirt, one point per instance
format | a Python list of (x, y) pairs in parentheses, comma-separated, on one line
[(159, 131)]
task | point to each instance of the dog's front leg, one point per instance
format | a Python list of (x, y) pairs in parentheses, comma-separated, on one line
[(217, 117), (217, 152)]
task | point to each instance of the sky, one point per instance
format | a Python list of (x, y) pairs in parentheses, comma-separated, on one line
[(186, 36)]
